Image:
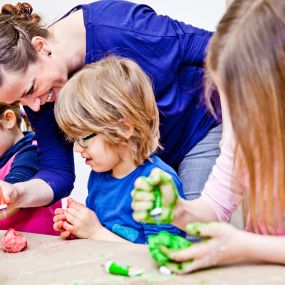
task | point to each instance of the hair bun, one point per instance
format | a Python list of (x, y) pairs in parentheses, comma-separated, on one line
[(22, 10)]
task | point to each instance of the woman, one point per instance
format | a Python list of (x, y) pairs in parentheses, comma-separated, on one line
[(36, 63), (246, 62)]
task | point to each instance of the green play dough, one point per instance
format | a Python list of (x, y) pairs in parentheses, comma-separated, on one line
[(170, 241), (194, 228)]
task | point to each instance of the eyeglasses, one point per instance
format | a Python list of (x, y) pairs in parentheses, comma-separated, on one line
[(83, 141)]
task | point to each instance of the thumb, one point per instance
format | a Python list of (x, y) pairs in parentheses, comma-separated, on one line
[(71, 203), (203, 229)]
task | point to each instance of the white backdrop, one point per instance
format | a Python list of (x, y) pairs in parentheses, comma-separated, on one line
[(200, 13)]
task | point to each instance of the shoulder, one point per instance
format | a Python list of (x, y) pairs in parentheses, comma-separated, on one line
[(132, 17)]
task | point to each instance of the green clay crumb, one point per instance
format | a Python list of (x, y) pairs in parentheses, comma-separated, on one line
[(76, 282)]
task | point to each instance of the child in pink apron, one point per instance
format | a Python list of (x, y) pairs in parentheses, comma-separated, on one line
[(19, 162)]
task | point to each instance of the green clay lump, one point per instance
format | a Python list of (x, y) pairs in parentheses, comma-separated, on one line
[(170, 241)]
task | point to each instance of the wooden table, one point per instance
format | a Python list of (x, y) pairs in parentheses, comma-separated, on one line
[(50, 260)]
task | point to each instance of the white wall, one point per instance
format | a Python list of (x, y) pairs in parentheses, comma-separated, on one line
[(201, 13)]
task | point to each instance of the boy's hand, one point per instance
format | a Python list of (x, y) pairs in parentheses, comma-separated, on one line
[(79, 220), (145, 197), (59, 219)]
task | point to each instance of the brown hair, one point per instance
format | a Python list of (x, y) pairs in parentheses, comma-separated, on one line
[(17, 28), (102, 96), (247, 57), (20, 115)]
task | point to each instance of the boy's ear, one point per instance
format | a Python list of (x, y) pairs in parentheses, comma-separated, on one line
[(128, 128), (9, 119), (41, 45)]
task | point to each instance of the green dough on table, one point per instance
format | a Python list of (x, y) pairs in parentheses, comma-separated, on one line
[(170, 241)]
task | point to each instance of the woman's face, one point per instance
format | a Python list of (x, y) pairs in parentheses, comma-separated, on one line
[(39, 84)]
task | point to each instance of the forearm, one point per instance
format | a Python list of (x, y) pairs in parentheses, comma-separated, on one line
[(258, 248), (104, 234), (33, 193), (196, 210)]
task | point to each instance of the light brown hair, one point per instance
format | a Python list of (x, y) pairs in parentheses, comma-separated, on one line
[(103, 95), (16, 33), (247, 57)]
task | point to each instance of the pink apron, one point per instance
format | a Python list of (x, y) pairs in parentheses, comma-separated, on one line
[(37, 220)]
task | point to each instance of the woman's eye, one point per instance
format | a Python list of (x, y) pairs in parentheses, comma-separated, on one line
[(31, 91)]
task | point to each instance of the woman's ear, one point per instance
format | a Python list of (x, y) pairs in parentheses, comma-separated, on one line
[(9, 119), (41, 45), (127, 128)]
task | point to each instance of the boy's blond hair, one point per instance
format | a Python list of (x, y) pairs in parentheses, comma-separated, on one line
[(104, 98)]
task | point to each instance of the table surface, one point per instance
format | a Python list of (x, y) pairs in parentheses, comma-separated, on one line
[(50, 260)]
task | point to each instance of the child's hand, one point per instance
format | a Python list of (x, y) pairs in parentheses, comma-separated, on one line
[(222, 246), (59, 219), (79, 220), (144, 197)]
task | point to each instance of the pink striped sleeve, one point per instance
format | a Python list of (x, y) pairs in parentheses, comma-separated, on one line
[(219, 191)]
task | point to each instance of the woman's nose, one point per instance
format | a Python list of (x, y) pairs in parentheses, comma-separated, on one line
[(32, 102)]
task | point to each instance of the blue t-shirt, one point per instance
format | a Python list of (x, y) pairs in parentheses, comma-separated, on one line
[(110, 198), (170, 52)]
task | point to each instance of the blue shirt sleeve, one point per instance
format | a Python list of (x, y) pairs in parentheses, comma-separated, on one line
[(24, 166), (56, 164)]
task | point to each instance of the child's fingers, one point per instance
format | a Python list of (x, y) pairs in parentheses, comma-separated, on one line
[(193, 252), (142, 184), (59, 211), (71, 216), (143, 195), (142, 205), (65, 234), (57, 218), (67, 226), (140, 216), (71, 203), (180, 268), (57, 226), (169, 194)]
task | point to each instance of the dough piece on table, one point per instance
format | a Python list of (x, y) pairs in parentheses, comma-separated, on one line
[(13, 242)]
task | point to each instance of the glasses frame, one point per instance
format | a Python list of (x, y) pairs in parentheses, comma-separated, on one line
[(83, 141)]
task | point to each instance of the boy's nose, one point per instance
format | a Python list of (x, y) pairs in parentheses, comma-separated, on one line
[(77, 147)]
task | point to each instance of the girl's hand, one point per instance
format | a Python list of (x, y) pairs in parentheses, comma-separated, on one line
[(79, 220), (223, 245), (145, 197)]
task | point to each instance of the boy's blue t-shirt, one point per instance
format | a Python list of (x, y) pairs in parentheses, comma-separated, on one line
[(110, 198)]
